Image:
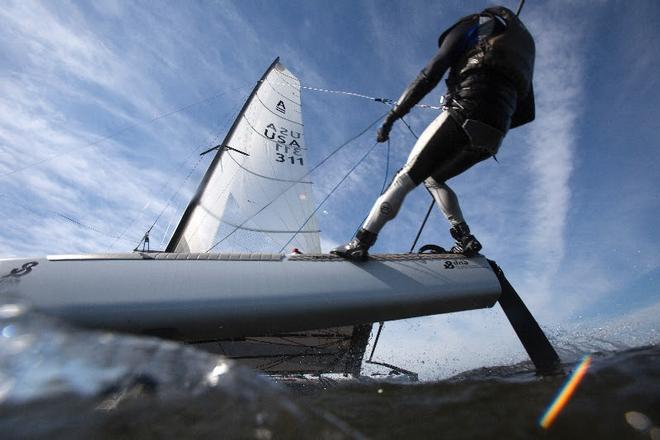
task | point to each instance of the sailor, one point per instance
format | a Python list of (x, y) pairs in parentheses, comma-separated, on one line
[(490, 58)]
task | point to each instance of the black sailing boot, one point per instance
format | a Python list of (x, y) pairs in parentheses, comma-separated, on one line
[(357, 249), (466, 244)]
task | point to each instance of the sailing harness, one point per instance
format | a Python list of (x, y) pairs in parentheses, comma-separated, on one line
[(491, 81)]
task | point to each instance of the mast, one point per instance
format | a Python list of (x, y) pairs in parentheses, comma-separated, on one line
[(185, 219)]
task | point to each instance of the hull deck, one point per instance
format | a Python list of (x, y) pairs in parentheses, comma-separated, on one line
[(195, 297)]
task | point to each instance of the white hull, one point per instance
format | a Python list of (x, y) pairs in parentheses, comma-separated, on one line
[(203, 296)]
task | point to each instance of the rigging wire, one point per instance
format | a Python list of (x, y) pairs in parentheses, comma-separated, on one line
[(310, 350), (324, 160), (329, 194), (63, 216), (230, 115), (119, 131), (169, 201), (91, 228), (141, 212), (421, 228)]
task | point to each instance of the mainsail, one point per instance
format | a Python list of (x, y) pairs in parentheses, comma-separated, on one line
[(257, 182), (256, 195)]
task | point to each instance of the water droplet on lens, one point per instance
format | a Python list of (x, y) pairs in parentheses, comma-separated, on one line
[(9, 331), (263, 434), (638, 420), (218, 371), (11, 310)]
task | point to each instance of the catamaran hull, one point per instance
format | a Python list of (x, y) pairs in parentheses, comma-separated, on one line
[(195, 297)]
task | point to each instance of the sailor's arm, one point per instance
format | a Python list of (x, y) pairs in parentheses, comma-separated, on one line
[(426, 81), (452, 47)]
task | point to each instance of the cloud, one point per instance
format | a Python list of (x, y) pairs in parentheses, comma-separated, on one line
[(552, 137)]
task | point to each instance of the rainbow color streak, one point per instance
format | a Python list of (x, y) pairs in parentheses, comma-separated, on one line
[(565, 393)]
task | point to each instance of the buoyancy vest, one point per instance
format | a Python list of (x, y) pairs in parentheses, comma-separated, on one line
[(492, 81)]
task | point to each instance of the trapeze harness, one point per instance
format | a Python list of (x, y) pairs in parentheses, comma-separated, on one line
[(490, 57)]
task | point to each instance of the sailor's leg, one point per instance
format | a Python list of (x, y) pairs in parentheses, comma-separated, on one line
[(446, 200), (454, 163), (449, 155), (385, 209), (442, 139), (434, 143)]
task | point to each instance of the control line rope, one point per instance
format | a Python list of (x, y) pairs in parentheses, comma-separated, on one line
[(360, 95), (371, 98), (382, 189), (387, 169), (409, 129)]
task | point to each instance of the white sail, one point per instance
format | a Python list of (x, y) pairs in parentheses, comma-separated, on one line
[(257, 183)]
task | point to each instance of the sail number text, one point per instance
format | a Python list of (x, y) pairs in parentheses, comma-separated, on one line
[(287, 148), (292, 159)]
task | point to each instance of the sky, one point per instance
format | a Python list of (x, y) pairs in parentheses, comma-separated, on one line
[(104, 106)]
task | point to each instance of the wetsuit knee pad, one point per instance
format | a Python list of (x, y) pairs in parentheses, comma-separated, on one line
[(388, 204), (396, 192)]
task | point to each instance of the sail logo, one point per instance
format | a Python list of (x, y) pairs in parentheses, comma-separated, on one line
[(23, 270), (456, 264), (280, 107), (287, 148)]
